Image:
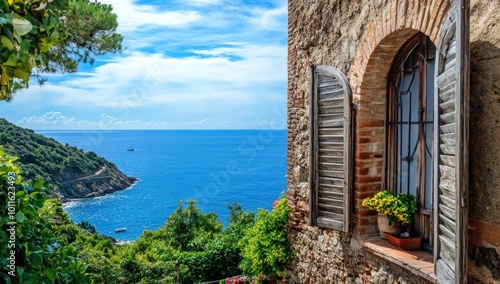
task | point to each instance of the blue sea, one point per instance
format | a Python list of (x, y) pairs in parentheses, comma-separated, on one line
[(214, 167)]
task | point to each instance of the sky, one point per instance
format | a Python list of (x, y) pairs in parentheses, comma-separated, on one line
[(188, 64)]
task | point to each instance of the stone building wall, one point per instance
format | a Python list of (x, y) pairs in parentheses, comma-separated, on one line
[(360, 38), (484, 151)]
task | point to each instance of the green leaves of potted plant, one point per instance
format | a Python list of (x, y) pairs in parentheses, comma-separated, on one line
[(399, 208)]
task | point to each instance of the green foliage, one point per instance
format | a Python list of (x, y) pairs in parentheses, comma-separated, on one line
[(205, 251), (24, 27), (87, 226), (98, 252), (398, 207), (218, 256), (45, 158), (50, 248), (51, 36), (184, 226), (265, 247), (39, 256), (89, 30)]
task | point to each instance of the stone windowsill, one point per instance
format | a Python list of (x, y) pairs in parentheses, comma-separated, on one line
[(419, 263)]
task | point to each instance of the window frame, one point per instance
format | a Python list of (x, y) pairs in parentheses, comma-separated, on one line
[(423, 218)]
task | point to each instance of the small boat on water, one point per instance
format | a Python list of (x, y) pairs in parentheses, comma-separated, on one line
[(119, 230), (131, 149)]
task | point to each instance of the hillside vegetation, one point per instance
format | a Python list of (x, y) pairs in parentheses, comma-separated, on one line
[(45, 246), (70, 172)]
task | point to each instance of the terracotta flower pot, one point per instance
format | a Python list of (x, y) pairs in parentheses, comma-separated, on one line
[(412, 243), (384, 227)]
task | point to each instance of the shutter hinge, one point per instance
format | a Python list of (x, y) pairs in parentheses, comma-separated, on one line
[(462, 201)]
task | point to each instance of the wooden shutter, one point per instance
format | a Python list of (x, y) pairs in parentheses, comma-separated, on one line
[(451, 149), (330, 149)]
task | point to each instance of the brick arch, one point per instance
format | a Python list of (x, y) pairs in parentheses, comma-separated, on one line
[(382, 39)]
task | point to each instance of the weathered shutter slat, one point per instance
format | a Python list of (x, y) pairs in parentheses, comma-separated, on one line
[(331, 192), (448, 149), (330, 202), (330, 148), (333, 174), (447, 138), (451, 149), (448, 128), (331, 181), (447, 160), (331, 216)]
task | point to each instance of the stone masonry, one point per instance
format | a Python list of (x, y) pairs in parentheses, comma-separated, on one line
[(361, 38)]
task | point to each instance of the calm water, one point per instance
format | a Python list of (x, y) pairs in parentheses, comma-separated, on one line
[(214, 167)]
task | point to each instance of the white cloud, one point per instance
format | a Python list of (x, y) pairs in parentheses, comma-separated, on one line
[(200, 2), (214, 61), (52, 117), (141, 79), (212, 19), (57, 120), (131, 16), (271, 19)]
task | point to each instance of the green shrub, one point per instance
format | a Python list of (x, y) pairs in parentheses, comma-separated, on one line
[(39, 256), (265, 247)]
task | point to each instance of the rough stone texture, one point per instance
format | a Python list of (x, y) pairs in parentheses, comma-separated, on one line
[(360, 38), (327, 256), (485, 111), (105, 181), (484, 151)]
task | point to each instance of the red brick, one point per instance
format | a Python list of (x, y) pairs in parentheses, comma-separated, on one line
[(422, 14), (369, 163), (401, 10), (412, 15), (363, 155), (364, 132), (367, 220), (360, 187), (375, 123), (366, 212), (371, 34), (362, 171), (369, 155), (364, 179), (379, 146), (365, 193), (438, 19), (363, 140), (393, 16), (365, 229)]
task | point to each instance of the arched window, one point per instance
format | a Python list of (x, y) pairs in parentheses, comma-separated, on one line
[(410, 128)]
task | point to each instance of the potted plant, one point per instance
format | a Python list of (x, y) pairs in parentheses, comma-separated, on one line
[(394, 210)]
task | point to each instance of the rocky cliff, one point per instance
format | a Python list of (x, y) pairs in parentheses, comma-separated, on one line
[(106, 180), (71, 172)]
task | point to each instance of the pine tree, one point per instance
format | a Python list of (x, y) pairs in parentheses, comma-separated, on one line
[(51, 36)]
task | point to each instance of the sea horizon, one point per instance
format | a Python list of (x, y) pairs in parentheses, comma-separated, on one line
[(41, 131), (213, 167)]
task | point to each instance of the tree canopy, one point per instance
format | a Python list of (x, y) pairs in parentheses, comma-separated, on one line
[(47, 36)]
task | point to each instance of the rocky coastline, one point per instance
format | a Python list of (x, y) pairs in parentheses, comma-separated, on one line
[(107, 180), (70, 172)]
